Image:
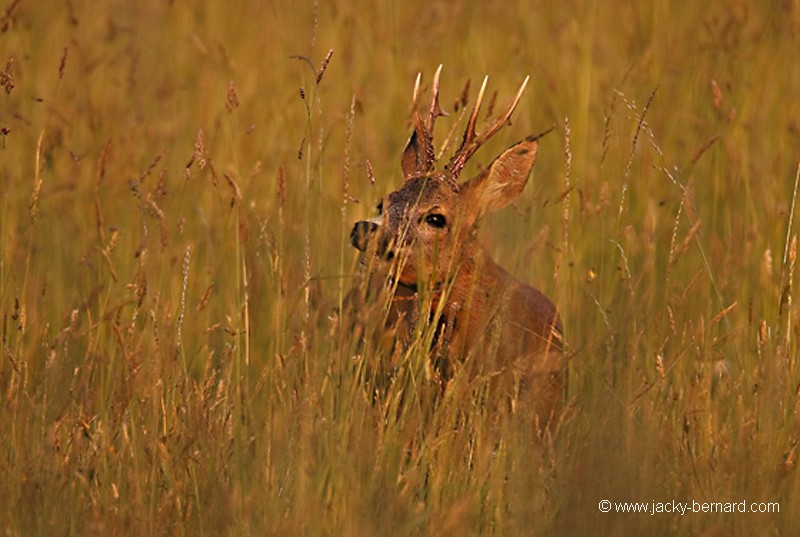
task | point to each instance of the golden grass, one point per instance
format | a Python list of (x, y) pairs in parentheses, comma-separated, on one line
[(177, 186)]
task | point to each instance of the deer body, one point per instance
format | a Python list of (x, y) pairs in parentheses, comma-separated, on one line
[(491, 325)]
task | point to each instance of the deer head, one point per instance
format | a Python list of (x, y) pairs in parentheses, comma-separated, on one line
[(429, 225)]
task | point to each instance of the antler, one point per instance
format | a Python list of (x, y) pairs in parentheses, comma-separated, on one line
[(472, 140), (420, 155), (435, 110)]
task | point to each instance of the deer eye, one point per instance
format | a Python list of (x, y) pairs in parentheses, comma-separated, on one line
[(436, 220)]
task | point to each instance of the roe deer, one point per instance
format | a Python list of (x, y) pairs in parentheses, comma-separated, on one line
[(489, 323)]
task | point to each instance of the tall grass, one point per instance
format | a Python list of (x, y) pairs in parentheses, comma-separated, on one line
[(177, 185)]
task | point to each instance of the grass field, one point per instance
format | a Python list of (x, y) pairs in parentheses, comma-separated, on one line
[(177, 187)]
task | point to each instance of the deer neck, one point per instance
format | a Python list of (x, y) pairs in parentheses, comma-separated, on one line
[(478, 284)]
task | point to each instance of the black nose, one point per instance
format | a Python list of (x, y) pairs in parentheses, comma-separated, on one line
[(360, 234)]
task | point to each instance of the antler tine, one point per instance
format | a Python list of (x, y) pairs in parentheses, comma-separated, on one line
[(419, 156), (469, 133), (499, 123), (473, 141), (415, 96), (435, 110), (463, 152)]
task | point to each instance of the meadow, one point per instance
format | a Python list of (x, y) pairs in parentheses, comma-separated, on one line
[(178, 181)]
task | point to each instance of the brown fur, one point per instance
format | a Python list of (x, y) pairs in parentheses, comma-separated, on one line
[(493, 326)]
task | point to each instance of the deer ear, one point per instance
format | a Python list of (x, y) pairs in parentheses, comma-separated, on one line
[(418, 156), (411, 156), (504, 180)]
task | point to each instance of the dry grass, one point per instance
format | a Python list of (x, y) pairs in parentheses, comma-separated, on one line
[(177, 185)]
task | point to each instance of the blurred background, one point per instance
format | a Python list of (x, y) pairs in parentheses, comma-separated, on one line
[(178, 180)]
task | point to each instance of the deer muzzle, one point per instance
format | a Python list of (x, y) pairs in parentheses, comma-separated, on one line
[(361, 234), (368, 235)]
